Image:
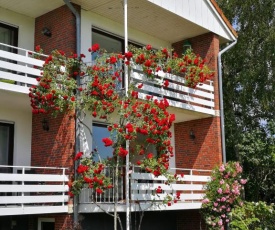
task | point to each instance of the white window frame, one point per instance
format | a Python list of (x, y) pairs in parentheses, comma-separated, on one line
[(41, 220)]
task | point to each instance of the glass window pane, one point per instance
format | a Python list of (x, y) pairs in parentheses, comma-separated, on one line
[(47, 226), (4, 145), (111, 45), (100, 132)]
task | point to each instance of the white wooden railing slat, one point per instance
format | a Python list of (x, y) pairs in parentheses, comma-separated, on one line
[(160, 197), (33, 188), (19, 68), (21, 58), (33, 177), (18, 78), (33, 199)]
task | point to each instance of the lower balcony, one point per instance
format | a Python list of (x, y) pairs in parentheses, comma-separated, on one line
[(41, 190), (33, 190), (143, 195)]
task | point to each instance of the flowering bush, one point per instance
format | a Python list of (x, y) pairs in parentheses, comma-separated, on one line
[(100, 95), (90, 175), (190, 66), (223, 193)]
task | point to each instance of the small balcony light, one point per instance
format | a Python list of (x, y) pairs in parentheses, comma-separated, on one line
[(46, 31), (186, 46), (45, 124), (192, 135)]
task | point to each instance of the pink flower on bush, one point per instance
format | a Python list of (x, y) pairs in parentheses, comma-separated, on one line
[(222, 168)]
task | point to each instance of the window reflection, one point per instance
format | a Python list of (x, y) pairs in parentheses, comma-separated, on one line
[(100, 131)]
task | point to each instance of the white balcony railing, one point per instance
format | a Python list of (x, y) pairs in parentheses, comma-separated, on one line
[(200, 99), (19, 70), (33, 190), (143, 195)]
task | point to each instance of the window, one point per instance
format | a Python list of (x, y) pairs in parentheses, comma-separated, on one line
[(9, 36), (6, 143), (46, 223), (149, 148), (111, 43), (100, 131)]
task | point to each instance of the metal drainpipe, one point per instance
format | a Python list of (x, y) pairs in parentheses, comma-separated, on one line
[(221, 97), (77, 141)]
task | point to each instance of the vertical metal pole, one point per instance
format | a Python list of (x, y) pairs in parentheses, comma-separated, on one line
[(127, 142)]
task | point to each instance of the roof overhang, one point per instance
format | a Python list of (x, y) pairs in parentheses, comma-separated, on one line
[(170, 21)]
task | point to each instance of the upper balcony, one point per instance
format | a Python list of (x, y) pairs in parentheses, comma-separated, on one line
[(19, 70)]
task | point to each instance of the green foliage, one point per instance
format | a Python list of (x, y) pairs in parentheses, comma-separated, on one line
[(253, 216), (7, 81), (249, 92)]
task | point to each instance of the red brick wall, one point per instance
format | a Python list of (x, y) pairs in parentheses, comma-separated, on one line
[(53, 148), (207, 46), (62, 24), (56, 146), (190, 220), (62, 221), (204, 151)]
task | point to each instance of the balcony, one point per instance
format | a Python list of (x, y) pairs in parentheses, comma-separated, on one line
[(33, 190), (177, 94), (142, 192), (19, 70)]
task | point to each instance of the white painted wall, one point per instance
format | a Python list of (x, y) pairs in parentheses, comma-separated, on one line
[(22, 133), (89, 20), (25, 27), (200, 12)]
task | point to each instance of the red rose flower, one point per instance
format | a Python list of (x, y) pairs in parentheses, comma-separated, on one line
[(94, 48), (128, 55), (113, 60), (159, 190), (37, 48), (122, 152), (78, 156), (82, 168), (148, 47), (166, 83), (107, 142), (150, 155), (99, 191), (129, 128)]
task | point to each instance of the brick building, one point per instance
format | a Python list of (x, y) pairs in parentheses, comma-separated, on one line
[(34, 145)]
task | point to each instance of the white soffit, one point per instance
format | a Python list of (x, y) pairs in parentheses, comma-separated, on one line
[(200, 12)]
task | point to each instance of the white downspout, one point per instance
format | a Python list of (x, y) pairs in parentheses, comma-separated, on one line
[(221, 97)]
